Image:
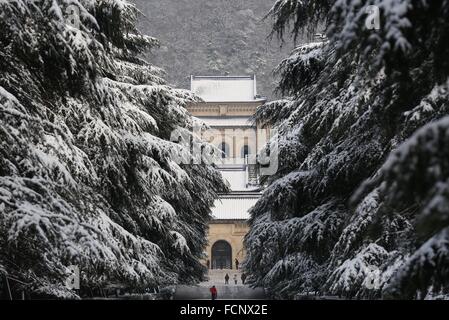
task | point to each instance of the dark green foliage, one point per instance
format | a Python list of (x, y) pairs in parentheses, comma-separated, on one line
[(355, 102)]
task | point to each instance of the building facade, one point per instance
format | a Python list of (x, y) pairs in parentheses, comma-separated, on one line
[(227, 108)]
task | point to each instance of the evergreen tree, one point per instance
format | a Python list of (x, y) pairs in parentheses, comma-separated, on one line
[(359, 206), (88, 175)]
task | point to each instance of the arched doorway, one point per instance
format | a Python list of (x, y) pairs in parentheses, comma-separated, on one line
[(221, 255)]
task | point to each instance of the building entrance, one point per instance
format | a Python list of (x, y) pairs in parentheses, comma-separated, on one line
[(221, 255)]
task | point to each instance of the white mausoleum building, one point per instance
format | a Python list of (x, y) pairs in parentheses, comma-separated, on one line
[(228, 105)]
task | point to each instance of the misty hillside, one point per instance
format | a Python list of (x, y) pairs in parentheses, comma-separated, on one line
[(212, 37)]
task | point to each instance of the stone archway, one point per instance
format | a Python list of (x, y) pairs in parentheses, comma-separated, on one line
[(221, 255)]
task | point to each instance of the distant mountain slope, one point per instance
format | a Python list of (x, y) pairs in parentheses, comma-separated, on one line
[(212, 37)]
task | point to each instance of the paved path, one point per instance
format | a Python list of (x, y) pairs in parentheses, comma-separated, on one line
[(217, 277), (229, 291)]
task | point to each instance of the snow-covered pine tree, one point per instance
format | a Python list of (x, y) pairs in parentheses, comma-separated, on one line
[(359, 205), (87, 169)]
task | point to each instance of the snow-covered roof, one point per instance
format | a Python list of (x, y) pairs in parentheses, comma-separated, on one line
[(227, 121), (224, 89), (234, 207), (236, 178)]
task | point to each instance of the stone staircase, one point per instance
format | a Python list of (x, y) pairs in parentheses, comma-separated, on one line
[(230, 291), (217, 276), (253, 176), (225, 292)]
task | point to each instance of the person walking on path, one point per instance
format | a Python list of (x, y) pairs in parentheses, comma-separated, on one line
[(243, 278), (236, 264), (227, 278), (235, 278), (213, 293), (208, 264)]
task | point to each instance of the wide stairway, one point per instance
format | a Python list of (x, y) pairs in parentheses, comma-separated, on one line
[(229, 291)]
